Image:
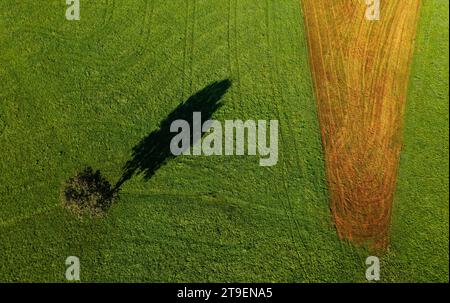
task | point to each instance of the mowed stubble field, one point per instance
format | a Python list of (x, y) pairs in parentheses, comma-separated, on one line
[(84, 93), (361, 73)]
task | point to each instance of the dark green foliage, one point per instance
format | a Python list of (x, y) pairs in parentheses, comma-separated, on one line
[(89, 193)]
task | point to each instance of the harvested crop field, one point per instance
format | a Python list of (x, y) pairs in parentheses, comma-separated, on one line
[(361, 71)]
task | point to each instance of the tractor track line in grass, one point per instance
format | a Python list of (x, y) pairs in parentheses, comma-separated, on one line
[(360, 72), (188, 57), (293, 223), (282, 116), (192, 44), (236, 39), (233, 53), (186, 32), (230, 51)]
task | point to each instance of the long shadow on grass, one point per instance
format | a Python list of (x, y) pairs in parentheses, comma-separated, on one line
[(153, 151)]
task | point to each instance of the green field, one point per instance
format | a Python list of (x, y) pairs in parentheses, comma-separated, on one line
[(85, 93)]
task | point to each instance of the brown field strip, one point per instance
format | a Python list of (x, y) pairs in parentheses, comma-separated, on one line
[(361, 70)]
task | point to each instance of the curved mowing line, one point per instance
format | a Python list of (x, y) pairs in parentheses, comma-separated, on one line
[(361, 70)]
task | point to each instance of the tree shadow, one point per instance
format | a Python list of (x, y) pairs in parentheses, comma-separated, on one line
[(153, 151)]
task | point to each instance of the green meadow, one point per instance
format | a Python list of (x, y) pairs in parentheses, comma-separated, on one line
[(84, 93)]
